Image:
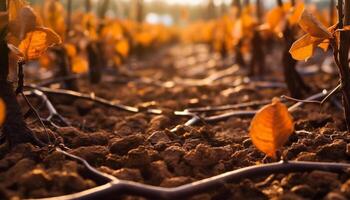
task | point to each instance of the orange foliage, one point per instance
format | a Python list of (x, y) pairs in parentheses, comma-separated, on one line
[(271, 127)]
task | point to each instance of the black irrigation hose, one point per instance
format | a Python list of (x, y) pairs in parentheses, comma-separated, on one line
[(120, 187), (91, 97)]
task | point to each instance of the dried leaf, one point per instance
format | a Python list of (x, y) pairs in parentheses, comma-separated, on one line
[(25, 21), (2, 111), (275, 17), (271, 127), (79, 65), (70, 49), (122, 47), (53, 12), (296, 14), (303, 48), (313, 26), (36, 42), (14, 8)]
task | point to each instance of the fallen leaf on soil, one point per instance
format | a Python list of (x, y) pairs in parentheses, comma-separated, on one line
[(271, 127), (2, 111)]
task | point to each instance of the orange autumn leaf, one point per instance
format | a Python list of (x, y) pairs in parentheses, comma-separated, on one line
[(313, 26), (2, 111), (24, 22), (37, 42), (303, 48), (79, 65), (53, 14), (317, 35), (122, 47), (70, 49), (275, 18), (14, 8), (271, 127), (296, 14)]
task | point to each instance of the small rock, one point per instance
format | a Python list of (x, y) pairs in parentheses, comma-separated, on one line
[(336, 150), (175, 181), (138, 158), (205, 155), (345, 188), (158, 137), (158, 171), (69, 182), (15, 172), (83, 106), (335, 196), (306, 156), (172, 155), (158, 123), (128, 174), (292, 179), (303, 190), (35, 179), (95, 155), (294, 150), (121, 146), (247, 143), (114, 161), (323, 180), (88, 139), (132, 124)]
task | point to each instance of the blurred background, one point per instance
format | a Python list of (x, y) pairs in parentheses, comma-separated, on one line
[(169, 12)]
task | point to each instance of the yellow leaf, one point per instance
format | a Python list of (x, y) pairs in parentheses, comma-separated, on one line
[(25, 21), (2, 111), (275, 17), (313, 26), (296, 14), (122, 47), (53, 14), (271, 127), (36, 43), (14, 7), (303, 48), (71, 50), (79, 65), (324, 45)]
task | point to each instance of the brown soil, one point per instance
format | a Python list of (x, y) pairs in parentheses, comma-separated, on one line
[(140, 147)]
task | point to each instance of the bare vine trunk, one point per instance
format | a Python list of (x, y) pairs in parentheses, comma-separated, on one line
[(344, 19), (14, 129)]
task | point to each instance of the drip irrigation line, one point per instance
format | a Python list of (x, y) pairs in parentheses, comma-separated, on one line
[(91, 97), (228, 107), (242, 113), (53, 114), (97, 176), (117, 187)]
